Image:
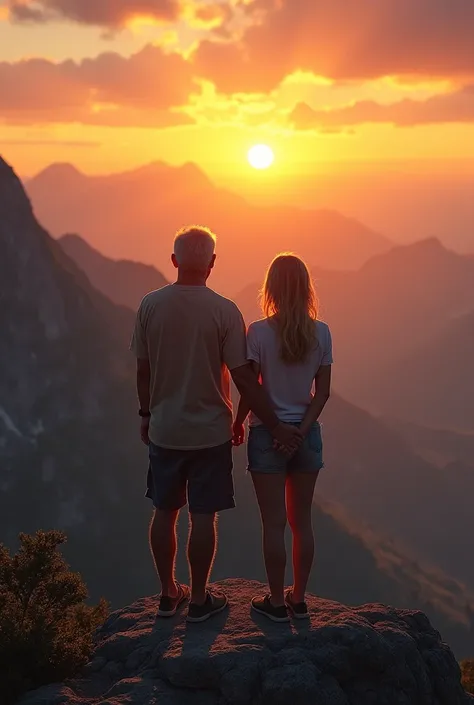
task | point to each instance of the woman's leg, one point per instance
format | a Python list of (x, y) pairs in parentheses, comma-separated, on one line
[(299, 503), (270, 491)]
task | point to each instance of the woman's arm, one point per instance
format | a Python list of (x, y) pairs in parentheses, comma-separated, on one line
[(318, 402)]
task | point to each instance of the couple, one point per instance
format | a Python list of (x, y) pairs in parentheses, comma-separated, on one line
[(187, 339)]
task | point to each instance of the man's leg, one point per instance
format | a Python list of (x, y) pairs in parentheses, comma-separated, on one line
[(201, 552), (163, 548), (167, 489), (210, 491)]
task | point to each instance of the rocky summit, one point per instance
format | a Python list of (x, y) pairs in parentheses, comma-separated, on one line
[(369, 655)]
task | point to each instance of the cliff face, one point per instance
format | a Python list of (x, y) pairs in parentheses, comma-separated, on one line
[(369, 655), (68, 436)]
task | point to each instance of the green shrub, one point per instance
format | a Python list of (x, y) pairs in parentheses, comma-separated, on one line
[(46, 629), (467, 670)]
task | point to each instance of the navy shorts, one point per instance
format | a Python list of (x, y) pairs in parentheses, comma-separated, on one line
[(203, 478), (264, 457)]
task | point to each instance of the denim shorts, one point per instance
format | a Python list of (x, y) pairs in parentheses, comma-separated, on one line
[(203, 478), (263, 457)]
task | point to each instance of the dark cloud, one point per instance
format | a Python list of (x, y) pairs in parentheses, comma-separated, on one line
[(452, 107), (108, 90), (343, 39), (105, 13)]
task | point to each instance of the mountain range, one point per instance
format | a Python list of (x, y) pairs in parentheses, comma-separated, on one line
[(70, 456), (134, 215)]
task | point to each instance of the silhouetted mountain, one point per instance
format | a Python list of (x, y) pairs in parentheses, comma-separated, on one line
[(383, 481), (436, 387), (123, 282), (438, 446), (145, 207), (68, 439), (70, 456)]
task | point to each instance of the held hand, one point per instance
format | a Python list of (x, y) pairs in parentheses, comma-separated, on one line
[(144, 428), (238, 434), (288, 452), (288, 438)]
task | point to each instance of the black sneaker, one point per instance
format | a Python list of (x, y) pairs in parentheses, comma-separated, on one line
[(215, 602), (170, 605), (299, 610), (262, 605)]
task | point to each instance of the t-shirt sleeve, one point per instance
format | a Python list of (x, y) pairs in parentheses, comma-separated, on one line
[(138, 345), (234, 352), (327, 356), (253, 347)]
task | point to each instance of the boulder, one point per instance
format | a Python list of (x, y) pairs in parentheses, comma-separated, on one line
[(368, 655)]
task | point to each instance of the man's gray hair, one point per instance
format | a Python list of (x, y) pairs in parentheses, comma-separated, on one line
[(194, 247)]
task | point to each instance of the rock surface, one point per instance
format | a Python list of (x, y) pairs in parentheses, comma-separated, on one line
[(369, 655)]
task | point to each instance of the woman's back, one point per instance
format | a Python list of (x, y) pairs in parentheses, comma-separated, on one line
[(289, 385)]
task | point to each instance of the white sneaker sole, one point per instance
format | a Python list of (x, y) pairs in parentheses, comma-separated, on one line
[(294, 614)]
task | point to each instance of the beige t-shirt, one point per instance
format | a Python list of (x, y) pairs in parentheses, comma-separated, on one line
[(192, 338)]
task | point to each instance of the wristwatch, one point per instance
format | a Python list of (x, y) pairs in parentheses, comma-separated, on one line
[(144, 414)]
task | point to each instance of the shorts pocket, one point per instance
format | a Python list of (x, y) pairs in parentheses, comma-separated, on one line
[(261, 440), (315, 439)]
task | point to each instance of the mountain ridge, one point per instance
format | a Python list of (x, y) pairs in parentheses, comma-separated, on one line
[(146, 206), (124, 282)]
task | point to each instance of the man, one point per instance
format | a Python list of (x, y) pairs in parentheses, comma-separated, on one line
[(187, 339)]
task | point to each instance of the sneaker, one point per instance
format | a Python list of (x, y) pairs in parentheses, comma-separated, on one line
[(263, 605), (299, 610), (170, 605), (215, 602)]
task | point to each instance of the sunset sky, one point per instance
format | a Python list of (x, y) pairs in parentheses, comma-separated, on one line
[(110, 84)]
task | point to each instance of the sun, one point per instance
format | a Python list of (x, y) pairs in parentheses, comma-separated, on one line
[(260, 156)]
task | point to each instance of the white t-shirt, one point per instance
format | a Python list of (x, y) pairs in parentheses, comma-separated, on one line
[(290, 387)]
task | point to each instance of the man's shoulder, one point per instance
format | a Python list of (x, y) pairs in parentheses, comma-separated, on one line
[(156, 296), (223, 302)]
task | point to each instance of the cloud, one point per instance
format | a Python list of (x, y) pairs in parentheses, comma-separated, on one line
[(343, 40), (91, 144), (141, 90), (449, 108), (113, 14)]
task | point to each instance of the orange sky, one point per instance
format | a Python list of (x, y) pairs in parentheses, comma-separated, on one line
[(112, 85)]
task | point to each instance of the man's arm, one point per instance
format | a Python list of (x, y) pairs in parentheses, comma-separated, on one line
[(143, 384), (143, 389), (257, 399), (139, 347), (244, 407)]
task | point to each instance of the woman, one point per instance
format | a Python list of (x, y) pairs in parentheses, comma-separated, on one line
[(291, 350)]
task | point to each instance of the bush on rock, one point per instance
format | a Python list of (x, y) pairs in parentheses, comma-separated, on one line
[(46, 628)]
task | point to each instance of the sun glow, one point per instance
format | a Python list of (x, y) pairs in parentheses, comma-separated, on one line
[(260, 156)]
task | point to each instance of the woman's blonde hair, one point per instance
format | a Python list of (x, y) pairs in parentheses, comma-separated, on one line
[(288, 297)]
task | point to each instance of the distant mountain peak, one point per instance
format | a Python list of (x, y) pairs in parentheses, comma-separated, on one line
[(63, 168), (428, 243)]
